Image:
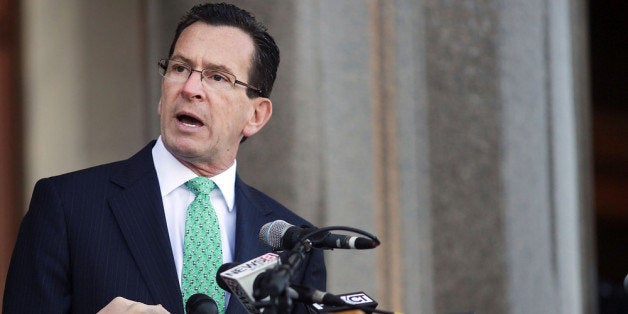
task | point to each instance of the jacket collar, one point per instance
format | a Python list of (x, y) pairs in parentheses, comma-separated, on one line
[(138, 209)]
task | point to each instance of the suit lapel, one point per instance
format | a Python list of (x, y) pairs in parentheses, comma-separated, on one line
[(139, 211), (250, 217)]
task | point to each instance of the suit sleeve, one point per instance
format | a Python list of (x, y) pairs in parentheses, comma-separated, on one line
[(38, 279)]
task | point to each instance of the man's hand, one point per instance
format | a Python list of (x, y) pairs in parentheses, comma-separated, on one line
[(122, 305)]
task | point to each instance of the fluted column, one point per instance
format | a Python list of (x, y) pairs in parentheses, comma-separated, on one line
[(453, 130)]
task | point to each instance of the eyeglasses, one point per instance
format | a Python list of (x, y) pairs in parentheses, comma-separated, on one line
[(178, 71)]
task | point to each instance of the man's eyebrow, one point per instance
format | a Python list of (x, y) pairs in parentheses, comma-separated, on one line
[(181, 58), (211, 66)]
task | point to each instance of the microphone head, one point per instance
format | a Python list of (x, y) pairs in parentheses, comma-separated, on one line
[(221, 282), (272, 233), (364, 243), (201, 304)]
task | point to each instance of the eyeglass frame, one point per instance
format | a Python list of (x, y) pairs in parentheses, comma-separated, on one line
[(163, 65)]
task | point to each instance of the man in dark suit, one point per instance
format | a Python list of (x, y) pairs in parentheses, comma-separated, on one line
[(111, 237)]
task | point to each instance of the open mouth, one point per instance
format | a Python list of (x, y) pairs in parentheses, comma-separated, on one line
[(189, 120)]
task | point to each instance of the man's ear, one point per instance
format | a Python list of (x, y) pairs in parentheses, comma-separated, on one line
[(262, 110), (159, 108)]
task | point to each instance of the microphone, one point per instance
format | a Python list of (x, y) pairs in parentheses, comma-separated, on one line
[(201, 304), (281, 235), (626, 284), (310, 295), (239, 277), (299, 293), (352, 300), (223, 268)]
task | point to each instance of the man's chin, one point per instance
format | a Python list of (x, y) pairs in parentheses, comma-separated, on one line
[(183, 148)]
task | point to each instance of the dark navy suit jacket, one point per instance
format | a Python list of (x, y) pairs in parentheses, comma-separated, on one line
[(98, 233)]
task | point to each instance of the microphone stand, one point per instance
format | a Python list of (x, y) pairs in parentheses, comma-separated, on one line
[(275, 283)]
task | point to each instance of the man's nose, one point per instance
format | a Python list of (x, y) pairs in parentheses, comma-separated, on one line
[(193, 87)]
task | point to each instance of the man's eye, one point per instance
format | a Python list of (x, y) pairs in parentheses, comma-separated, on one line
[(215, 76), (179, 68)]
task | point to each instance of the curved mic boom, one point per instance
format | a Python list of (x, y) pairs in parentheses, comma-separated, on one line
[(281, 235)]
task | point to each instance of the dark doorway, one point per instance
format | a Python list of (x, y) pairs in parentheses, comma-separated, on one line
[(609, 89)]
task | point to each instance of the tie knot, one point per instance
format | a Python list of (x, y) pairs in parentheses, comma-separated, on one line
[(200, 185)]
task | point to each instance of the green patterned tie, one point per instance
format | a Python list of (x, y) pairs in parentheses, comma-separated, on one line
[(202, 249)]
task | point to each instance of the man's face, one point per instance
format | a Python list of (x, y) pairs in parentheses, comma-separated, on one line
[(202, 127)]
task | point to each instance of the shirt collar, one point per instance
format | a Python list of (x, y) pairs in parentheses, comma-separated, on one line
[(172, 174)]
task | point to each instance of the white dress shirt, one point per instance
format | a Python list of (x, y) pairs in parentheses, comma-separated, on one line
[(176, 198)]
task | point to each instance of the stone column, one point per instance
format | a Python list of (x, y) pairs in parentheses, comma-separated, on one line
[(84, 92)]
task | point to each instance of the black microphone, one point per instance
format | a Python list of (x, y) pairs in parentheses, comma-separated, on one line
[(221, 282), (353, 300), (281, 235), (201, 304), (310, 295), (626, 284)]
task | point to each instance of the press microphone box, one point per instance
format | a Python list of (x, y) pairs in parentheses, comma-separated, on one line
[(352, 299), (240, 279)]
